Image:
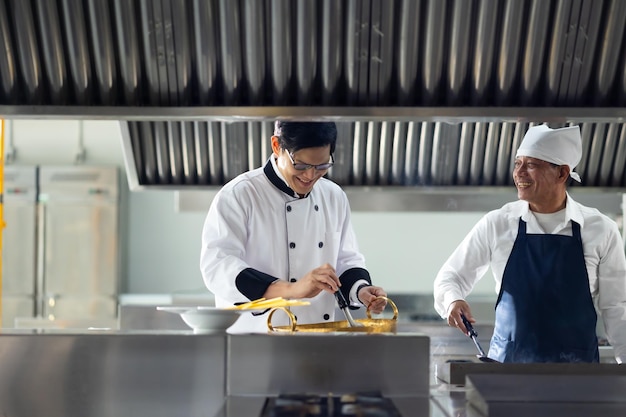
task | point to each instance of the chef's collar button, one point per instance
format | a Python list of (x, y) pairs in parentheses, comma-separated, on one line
[(292, 245), (292, 279), (317, 208), (321, 244), (326, 316), (288, 208)]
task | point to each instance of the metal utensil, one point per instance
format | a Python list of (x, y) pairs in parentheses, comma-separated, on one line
[(343, 305), (474, 336)]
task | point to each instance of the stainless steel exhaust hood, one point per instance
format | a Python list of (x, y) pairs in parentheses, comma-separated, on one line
[(431, 93)]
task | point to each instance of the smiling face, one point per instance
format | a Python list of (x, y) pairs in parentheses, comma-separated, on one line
[(540, 183), (301, 181)]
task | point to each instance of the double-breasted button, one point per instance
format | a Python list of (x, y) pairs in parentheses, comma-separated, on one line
[(326, 316), (292, 280), (321, 244), (288, 208), (292, 245)]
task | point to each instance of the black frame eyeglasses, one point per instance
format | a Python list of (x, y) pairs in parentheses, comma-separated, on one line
[(303, 167)]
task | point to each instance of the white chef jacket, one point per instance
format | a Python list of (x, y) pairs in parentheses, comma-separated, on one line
[(253, 224), (490, 242)]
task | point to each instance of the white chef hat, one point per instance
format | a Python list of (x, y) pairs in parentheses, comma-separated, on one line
[(558, 146)]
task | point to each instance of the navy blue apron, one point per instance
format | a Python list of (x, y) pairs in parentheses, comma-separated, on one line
[(544, 311)]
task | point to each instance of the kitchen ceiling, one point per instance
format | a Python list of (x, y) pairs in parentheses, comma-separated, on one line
[(427, 93)]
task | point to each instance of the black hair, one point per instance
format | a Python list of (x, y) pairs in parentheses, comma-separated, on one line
[(294, 136)]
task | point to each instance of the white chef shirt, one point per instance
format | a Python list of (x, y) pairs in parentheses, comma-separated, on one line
[(253, 224), (490, 242)]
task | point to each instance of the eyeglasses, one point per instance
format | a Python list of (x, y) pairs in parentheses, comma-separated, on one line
[(303, 167)]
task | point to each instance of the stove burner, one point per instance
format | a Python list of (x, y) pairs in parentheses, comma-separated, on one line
[(310, 405)]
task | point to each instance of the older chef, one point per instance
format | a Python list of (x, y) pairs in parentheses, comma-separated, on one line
[(555, 263), (285, 231)]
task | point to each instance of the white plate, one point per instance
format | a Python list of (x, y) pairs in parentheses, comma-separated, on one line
[(203, 319)]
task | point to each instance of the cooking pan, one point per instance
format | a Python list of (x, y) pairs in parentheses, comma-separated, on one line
[(369, 325)]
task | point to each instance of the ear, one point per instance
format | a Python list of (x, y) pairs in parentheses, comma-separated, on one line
[(275, 145), (563, 173)]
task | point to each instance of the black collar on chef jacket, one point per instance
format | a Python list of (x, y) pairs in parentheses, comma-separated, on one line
[(278, 183)]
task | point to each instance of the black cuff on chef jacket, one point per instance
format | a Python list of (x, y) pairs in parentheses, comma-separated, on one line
[(253, 283), (349, 277)]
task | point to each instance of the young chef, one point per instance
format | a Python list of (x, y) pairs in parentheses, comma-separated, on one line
[(285, 231), (555, 263)]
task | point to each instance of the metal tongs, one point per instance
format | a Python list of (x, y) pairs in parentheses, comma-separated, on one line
[(474, 336), (343, 305)]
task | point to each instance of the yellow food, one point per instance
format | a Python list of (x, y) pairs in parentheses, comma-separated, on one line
[(271, 303)]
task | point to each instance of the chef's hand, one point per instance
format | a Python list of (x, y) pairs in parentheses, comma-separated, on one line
[(367, 295), (320, 279), (455, 310)]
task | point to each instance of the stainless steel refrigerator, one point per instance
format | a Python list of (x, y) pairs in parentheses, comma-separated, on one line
[(19, 243), (77, 242)]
